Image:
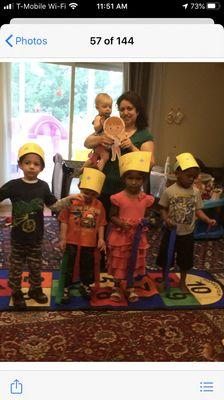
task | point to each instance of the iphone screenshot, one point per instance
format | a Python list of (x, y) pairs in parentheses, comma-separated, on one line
[(111, 200)]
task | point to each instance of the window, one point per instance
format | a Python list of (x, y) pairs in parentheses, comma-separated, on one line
[(89, 82), (53, 105)]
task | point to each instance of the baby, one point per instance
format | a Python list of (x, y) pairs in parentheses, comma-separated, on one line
[(100, 155), (103, 104)]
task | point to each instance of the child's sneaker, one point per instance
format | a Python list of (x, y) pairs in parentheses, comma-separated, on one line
[(85, 291), (132, 295), (38, 295), (115, 294), (18, 300)]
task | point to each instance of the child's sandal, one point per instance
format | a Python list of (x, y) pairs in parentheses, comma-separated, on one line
[(132, 295), (66, 296), (115, 295)]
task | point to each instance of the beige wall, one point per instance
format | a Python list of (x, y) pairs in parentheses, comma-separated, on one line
[(197, 89)]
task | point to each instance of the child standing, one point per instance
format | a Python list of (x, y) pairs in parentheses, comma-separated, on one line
[(99, 157), (180, 204), (82, 230), (129, 207), (28, 196)]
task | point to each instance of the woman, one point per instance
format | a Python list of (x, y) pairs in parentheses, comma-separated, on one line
[(138, 138)]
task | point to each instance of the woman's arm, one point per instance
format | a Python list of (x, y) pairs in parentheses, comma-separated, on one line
[(149, 146), (127, 144), (94, 140), (146, 146)]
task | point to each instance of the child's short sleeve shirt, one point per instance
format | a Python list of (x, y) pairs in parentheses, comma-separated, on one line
[(83, 222), (182, 203)]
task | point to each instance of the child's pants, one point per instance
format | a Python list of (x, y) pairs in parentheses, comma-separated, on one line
[(86, 265), (184, 249), (21, 254)]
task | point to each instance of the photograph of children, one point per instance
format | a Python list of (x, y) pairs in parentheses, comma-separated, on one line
[(111, 211)]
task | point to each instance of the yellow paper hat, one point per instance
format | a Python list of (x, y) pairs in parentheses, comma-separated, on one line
[(185, 161), (92, 179), (135, 161), (31, 148)]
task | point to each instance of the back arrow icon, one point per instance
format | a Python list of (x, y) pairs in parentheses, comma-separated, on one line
[(8, 40)]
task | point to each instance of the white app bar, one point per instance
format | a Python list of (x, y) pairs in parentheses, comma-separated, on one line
[(100, 384)]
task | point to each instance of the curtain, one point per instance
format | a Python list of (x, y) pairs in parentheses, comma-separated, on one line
[(137, 79), (5, 121), (146, 79), (126, 76)]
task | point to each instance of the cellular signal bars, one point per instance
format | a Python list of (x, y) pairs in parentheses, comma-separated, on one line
[(9, 7)]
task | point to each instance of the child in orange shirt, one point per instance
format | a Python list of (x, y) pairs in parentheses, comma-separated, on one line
[(82, 229)]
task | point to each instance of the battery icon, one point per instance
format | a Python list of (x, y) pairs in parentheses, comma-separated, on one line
[(213, 6)]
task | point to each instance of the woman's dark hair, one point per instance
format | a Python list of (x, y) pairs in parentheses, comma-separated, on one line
[(135, 100)]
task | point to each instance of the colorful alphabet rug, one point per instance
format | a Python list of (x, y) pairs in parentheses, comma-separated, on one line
[(205, 291)]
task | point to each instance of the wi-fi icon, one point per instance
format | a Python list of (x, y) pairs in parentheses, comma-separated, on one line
[(73, 5)]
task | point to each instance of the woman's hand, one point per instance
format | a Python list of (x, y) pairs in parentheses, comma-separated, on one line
[(106, 140), (94, 140), (127, 144)]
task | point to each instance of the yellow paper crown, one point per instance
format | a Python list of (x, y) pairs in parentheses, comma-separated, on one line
[(135, 161), (92, 179), (185, 161), (31, 148)]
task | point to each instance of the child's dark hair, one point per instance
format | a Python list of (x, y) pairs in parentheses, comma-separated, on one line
[(41, 160), (143, 174), (178, 169)]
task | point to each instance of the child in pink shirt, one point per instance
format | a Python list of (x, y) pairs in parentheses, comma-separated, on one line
[(129, 207)]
